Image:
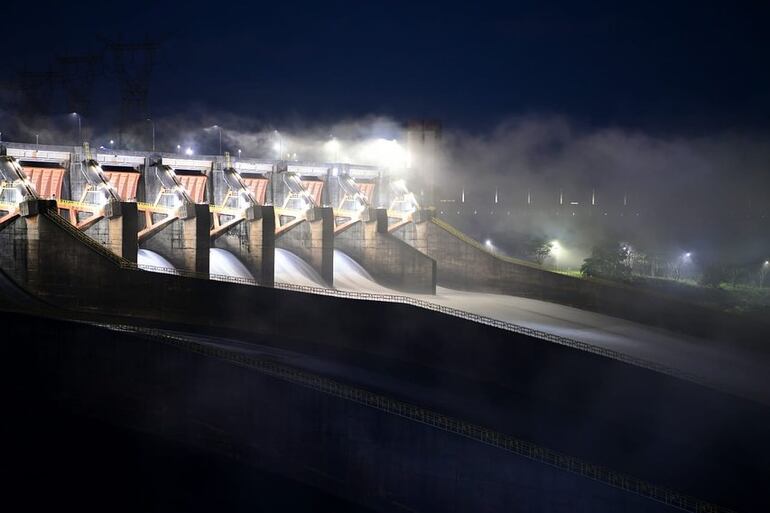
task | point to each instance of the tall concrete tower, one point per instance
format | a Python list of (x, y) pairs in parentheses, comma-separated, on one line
[(423, 143)]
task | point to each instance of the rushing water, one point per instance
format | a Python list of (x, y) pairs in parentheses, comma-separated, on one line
[(225, 263), (148, 259), (349, 275), (289, 268)]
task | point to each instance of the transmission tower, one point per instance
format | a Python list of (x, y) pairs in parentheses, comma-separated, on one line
[(78, 75), (37, 90), (133, 64)]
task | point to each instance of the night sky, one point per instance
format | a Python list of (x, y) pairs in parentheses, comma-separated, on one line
[(659, 67), (668, 103)]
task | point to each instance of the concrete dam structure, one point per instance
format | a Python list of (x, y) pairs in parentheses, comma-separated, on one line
[(392, 402), (181, 208)]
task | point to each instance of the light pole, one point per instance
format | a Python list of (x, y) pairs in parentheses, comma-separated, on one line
[(682, 262), (80, 128), (152, 124), (239, 154), (763, 273), (37, 139)]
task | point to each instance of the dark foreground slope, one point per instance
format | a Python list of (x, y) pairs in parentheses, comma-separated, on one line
[(62, 460), (202, 428)]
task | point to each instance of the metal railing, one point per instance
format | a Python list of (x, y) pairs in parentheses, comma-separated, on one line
[(437, 420)]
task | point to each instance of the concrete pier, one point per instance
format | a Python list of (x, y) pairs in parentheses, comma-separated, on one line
[(313, 241), (185, 242), (252, 241), (118, 234), (390, 261)]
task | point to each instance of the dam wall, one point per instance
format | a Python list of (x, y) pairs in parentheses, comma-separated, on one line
[(561, 397), (464, 264), (253, 243), (313, 241), (185, 242), (389, 260), (118, 234)]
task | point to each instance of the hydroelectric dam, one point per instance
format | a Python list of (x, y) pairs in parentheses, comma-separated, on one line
[(315, 322)]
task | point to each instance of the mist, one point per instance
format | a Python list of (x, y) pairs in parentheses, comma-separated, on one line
[(708, 192), (704, 192)]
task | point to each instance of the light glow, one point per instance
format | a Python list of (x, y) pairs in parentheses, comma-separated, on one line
[(557, 250), (333, 147), (387, 153)]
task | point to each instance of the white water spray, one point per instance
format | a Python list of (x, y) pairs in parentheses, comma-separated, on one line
[(224, 263), (151, 261), (349, 275), (289, 268)]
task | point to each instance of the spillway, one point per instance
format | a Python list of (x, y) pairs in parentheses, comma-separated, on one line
[(289, 268), (224, 263), (150, 261), (627, 337), (349, 275)]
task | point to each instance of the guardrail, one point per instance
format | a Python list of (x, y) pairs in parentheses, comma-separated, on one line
[(439, 421), (391, 298)]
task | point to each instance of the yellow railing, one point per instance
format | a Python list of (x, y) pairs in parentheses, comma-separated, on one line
[(154, 208), (77, 205)]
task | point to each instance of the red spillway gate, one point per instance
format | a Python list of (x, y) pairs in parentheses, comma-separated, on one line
[(124, 182), (47, 180), (195, 185)]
